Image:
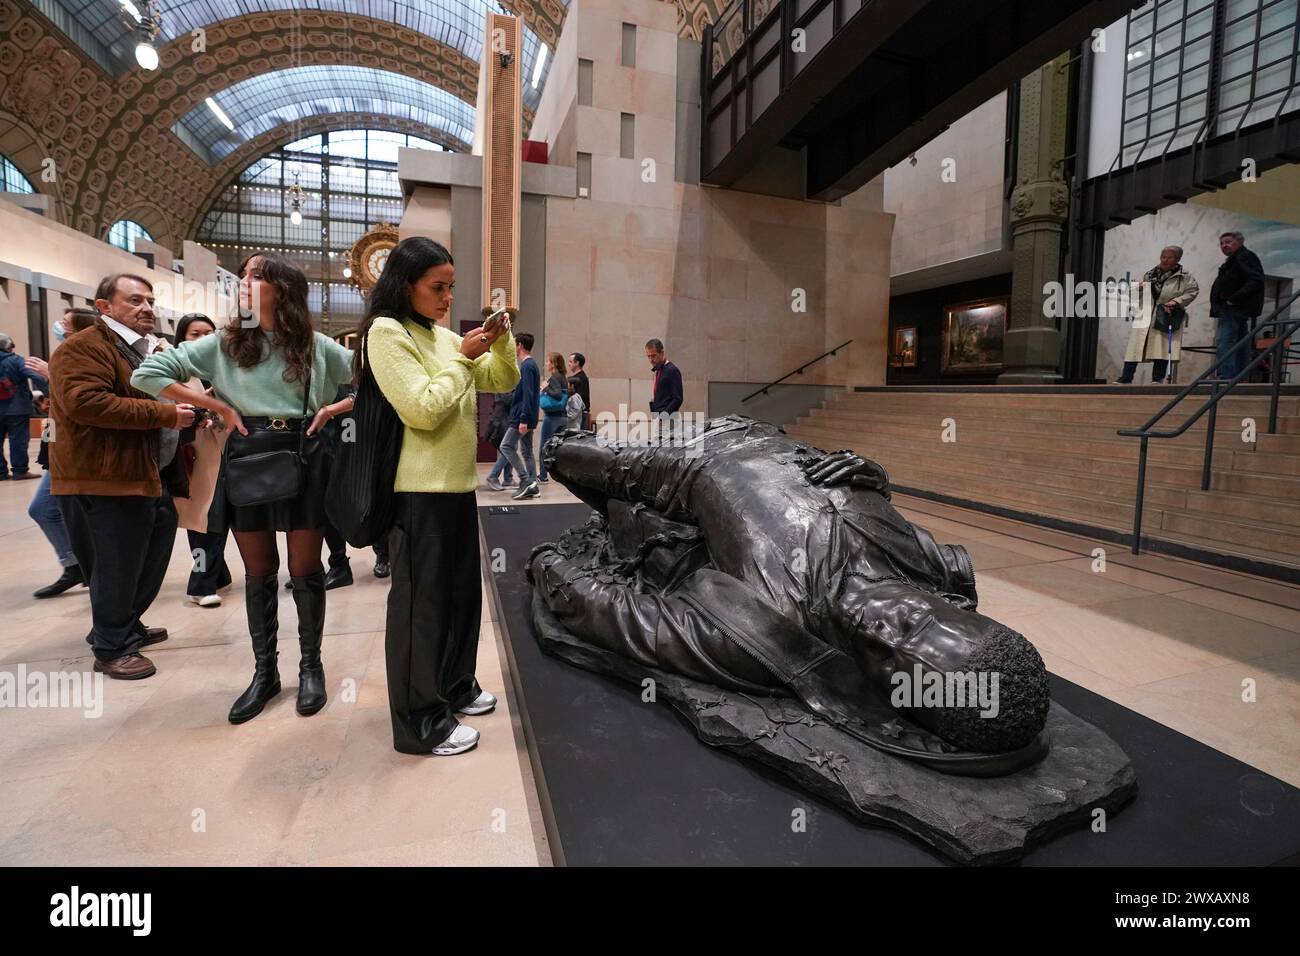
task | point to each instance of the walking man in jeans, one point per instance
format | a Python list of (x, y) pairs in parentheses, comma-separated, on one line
[(1236, 297), (523, 419)]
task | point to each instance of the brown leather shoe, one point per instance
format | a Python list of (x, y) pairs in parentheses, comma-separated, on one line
[(155, 635), (130, 667)]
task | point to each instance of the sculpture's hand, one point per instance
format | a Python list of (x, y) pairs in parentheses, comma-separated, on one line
[(847, 467)]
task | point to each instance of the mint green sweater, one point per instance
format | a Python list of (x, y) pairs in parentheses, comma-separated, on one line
[(260, 390)]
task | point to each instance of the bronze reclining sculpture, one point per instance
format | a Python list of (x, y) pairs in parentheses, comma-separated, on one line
[(745, 560)]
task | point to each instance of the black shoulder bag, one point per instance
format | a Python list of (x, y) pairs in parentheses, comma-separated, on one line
[(263, 477), (1170, 321), (361, 502)]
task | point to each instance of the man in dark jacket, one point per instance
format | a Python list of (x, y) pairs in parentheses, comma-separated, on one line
[(115, 468), (16, 380), (1236, 297), (578, 374), (666, 392), (523, 419)]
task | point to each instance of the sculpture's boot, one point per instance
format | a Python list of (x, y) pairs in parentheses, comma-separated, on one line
[(261, 600), (309, 596)]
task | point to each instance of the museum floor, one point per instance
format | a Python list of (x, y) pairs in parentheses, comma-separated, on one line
[(1169, 639)]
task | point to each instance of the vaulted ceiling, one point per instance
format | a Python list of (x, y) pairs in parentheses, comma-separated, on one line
[(108, 140)]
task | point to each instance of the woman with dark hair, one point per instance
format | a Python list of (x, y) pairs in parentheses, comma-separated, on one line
[(554, 399), (269, 370), (201, 514), (431, 377)]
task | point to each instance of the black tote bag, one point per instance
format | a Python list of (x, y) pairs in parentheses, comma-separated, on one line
[(360, 500)]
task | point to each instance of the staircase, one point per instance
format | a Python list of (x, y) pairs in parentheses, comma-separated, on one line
[(1052, 456)]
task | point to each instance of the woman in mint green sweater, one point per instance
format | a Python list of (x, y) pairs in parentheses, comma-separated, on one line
[(263, 373), (431, 376)]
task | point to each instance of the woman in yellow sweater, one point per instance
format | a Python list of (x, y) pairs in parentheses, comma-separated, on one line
[(431, 376)]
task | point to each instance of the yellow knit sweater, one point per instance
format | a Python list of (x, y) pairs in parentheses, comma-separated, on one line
[(433, 388)]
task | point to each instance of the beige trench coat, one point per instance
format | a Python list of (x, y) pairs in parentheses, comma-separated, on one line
[(209, 443), (1145, 341)]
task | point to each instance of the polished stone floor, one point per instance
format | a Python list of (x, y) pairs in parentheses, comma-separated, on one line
[(160, 777)]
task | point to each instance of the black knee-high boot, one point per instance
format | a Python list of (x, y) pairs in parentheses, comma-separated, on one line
[(309, 596), (261, 600)]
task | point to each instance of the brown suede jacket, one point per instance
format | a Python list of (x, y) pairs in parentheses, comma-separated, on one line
[(105, 431)]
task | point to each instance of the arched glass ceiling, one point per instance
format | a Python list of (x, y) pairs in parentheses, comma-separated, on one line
[(263, 102), (457, 23)]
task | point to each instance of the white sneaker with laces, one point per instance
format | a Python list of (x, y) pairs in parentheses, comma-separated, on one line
[(458, 741), (484, 703)]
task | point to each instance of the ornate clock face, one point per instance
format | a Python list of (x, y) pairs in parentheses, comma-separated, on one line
[(369, 255)]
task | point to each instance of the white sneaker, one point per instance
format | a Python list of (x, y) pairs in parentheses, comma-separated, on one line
[(205, 600), (458, 741), (484, 703)]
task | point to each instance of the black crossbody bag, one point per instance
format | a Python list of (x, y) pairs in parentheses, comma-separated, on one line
[(264, 477)]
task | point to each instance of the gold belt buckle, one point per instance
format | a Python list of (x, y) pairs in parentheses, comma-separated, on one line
[(279, 425)]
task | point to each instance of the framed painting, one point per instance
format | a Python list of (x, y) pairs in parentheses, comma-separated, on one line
[(904, 354), (972, 336)]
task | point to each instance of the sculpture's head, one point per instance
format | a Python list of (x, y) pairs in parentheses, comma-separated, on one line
[(973, 681)]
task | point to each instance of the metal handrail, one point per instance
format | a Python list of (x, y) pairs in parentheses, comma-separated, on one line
[(1218, 391), (798, 371)]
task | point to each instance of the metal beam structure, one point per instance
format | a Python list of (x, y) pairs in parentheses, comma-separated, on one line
[(859, 85)]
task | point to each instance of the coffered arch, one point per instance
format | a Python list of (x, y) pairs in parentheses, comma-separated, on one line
[(234, 164)]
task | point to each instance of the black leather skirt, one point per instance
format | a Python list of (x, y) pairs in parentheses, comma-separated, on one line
[(306, 512)]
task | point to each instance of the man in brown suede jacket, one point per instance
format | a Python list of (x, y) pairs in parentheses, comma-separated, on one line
[(114, 466)]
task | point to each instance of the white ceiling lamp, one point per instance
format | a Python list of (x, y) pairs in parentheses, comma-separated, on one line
[(540, 64), (295, 199), (219, 113), (147, 25)]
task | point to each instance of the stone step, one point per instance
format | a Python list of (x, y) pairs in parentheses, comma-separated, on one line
[(1175, 451), (1029, 498), (1179, 467), (1252, 553), (1250, 507), (952, 477), (1116, 489), (1228, 433), (1279, 444), (1265, 464), (882, 447), (1235, 531), (1143, 404)]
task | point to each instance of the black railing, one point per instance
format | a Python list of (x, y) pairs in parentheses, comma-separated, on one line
[(798, 371), (1218, 390)]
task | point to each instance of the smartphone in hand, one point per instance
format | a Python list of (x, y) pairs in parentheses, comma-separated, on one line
[(496, 319)]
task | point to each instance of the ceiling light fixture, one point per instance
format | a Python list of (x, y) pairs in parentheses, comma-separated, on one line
[(220, 114), (540, 64), (146, 26), (295, 198)]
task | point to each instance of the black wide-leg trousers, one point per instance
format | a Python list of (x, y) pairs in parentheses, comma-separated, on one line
[(434, 610)]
